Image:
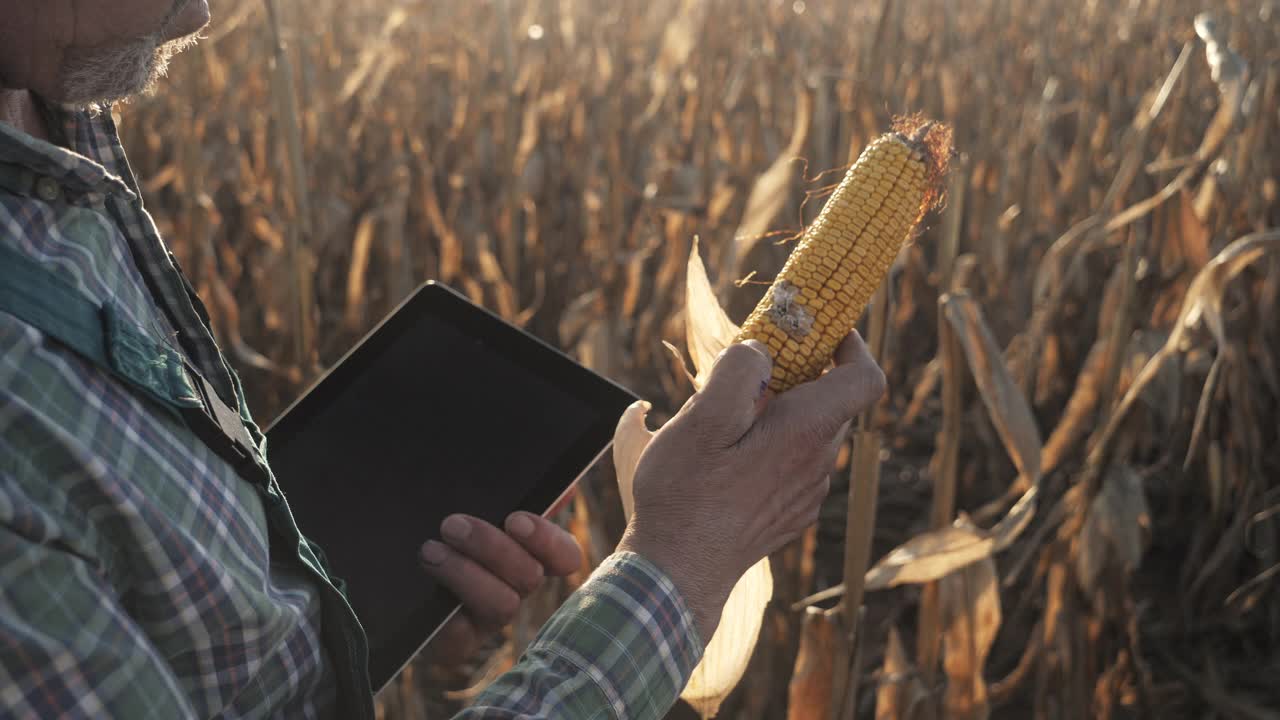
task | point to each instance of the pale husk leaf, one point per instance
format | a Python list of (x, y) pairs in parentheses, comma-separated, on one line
[(726, 656), (708, 330), (725, 659)]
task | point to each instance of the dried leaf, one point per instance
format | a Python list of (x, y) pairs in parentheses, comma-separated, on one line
[(583, 527), (809, 693), (578, 315), (596, 349), (678, 41), (721, 198), (1006, 405), (360, 247), (930, 556), (450, 247), (971, 610), (227, 323), (1077, 417), (934, 554), (1115, 527), (1203, 302), (267, 233), (1204, 298), (901, 689), (1191, 232), (770, 191), (1161, 397)]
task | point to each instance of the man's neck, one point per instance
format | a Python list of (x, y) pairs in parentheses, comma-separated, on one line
[(19, 109)]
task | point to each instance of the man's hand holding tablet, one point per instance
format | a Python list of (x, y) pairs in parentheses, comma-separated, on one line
[(442, 425), (491, 571)]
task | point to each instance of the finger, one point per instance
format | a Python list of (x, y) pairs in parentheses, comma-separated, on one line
[(852, 386), (738, 381), (852, 349), (494, 550), (551, 545), (484, 597)]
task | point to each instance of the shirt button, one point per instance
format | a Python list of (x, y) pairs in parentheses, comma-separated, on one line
[(47, 189)]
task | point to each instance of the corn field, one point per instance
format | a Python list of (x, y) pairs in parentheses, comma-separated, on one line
[(1067, 506)]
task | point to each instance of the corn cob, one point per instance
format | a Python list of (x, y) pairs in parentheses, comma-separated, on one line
[(829, 279)]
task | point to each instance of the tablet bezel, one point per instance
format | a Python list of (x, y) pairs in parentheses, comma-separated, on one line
[(536, 355)]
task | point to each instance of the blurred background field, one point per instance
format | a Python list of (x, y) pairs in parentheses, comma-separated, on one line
[(1089, 321)]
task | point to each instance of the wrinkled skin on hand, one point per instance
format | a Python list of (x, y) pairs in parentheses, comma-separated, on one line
[(738, 473)]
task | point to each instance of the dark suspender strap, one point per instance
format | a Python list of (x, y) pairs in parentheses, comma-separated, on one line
[(102, 337)]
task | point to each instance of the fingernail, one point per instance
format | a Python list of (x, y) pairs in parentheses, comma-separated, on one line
[(433, 553), (456, 528), (520, 525)]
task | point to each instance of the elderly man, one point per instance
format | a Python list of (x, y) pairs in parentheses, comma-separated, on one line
[(149, 566)]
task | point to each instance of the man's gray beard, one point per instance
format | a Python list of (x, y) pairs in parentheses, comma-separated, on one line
[(100, 77)]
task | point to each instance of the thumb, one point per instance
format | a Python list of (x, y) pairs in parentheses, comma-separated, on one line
[(735, 387), (852, 386)]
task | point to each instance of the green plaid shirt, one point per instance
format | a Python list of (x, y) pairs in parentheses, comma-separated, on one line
[(142, 577)]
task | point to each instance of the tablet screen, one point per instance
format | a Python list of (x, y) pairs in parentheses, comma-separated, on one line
[(443, 409)]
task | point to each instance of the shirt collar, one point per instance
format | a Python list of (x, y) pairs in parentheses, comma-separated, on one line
[(92, 162)]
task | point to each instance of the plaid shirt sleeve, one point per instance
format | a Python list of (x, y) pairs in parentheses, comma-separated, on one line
[(623, 646)]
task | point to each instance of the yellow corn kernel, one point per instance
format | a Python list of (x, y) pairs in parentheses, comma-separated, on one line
[(844, 256)]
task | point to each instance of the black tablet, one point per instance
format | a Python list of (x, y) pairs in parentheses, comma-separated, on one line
[(443, 408)]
